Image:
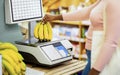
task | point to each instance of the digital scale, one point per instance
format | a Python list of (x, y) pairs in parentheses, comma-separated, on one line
[(49, 53)]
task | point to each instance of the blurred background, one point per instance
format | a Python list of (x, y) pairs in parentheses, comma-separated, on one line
[(63, 6)]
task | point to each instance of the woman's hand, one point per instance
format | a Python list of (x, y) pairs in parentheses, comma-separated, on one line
[(93, 72), (49, 17)]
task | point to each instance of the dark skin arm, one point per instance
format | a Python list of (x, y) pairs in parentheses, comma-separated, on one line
[(93, 72), (49, 17)]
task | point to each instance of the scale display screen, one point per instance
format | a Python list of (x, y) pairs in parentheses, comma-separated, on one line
[(55, 51)]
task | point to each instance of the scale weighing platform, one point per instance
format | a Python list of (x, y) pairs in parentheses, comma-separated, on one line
[(48, 53)]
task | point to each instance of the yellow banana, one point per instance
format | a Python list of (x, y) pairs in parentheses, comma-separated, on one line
[(8, 46), (49, 27), (5, 72), (3, 69), (40, 32), (20, 57), (23, 73), (9, 67), (14, 55), (45, 31), (23, 66), (7, 58), (36, 29), (0, 42), (12, 59)]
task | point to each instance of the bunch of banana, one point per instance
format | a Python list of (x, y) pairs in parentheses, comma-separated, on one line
[(12, 61), (43, 31), (49, 31)]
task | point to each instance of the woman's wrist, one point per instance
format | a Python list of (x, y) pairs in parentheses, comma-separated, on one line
[(59, 17), (94, 72)]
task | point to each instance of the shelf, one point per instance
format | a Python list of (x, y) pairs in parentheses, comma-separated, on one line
[(82, 23), (67, 22), (75, 39)]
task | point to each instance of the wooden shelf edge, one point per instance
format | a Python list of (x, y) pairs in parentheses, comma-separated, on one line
[(82, 23), (67, 22)]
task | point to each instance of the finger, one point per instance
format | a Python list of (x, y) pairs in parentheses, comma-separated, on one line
[(44, 20)]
